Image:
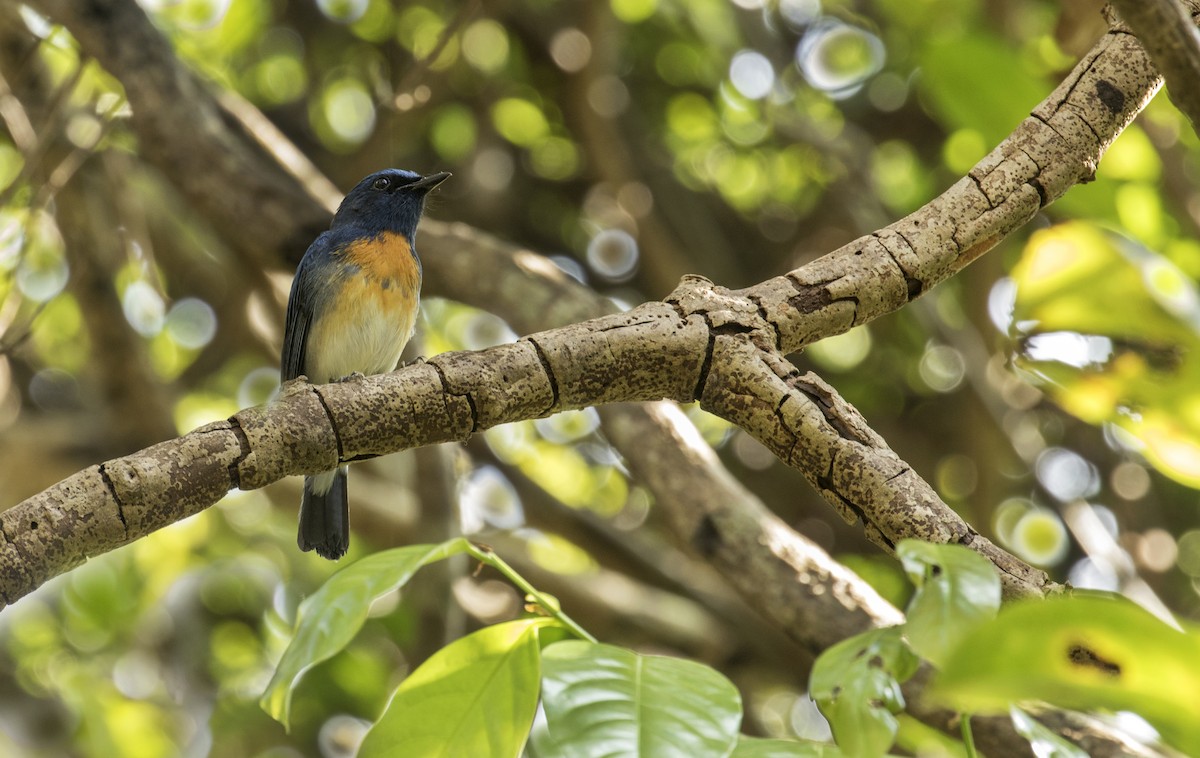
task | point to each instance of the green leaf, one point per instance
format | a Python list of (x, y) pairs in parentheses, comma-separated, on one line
[(1095, 360), (330, 618), (476, 696), (856, 684), (602, 700), (1045, 743), (957, 589), (751, 747), (1084, 652)]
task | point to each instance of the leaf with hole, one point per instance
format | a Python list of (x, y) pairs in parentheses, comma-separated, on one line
[(957, 589), (1086, 652), (856, 684)]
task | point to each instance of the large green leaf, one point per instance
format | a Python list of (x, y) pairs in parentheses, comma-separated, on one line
[(476, 696), (602, 700), (330, 618), (1111, 331), (1084, 652), (956, 590), (856, 684)]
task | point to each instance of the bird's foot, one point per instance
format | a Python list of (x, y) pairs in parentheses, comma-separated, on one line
[(356, 376)]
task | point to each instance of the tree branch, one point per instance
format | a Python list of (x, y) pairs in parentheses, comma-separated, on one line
[(810, 427), (534, 292), (1167, 29), (657, 350), (704, 342)]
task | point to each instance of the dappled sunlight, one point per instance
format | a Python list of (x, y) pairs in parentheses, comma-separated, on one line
[(160, 180)]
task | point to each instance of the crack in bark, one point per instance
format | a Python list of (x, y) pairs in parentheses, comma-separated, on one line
[(784, 426), (1046, 122), (448, 393), (618, 327), (913, 286), (1071, 90), (1088, 124), (906, 241), (112, 490), (979, 186), (809, 298), (337, 435), (827, 484), (797, 439), (678, 308), (235, 474), (1035, 181), (546, 367), (824, 404), (706, 364), (849, 299), (1043, 198), (762, 314), (732, 329)]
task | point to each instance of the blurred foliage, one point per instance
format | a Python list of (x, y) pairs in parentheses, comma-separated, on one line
[(1075, 289), (1046, 392)]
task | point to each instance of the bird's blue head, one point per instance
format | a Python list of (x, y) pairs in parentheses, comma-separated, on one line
[(390, 200)]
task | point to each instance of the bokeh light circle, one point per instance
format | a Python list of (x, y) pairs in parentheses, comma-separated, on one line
[(613, 254), (752, 74), (838, 58)]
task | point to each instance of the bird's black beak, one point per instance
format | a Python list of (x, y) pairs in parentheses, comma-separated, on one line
[(427, 183)]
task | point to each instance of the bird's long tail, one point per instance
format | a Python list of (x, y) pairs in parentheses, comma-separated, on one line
[(325, 515)]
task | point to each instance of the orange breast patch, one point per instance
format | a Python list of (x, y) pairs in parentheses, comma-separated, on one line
[(387, 258)]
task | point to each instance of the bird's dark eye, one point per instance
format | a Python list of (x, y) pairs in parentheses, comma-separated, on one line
[(381, 183)]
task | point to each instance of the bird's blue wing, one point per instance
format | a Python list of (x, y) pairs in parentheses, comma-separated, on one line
[(305, 298)]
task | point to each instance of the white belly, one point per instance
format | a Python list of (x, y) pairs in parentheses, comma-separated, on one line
[(368, 342)]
